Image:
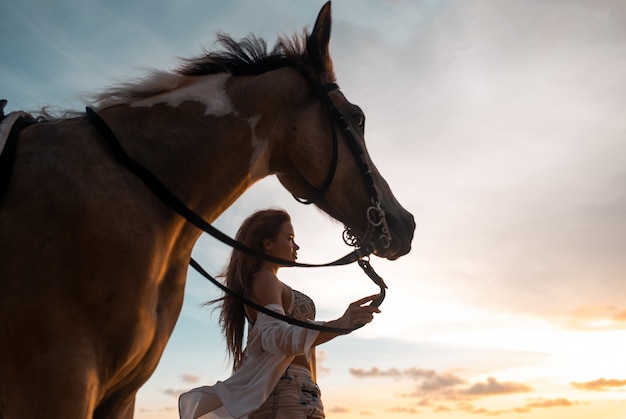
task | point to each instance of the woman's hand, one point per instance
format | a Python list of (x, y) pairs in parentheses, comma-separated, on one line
[(358, 314)]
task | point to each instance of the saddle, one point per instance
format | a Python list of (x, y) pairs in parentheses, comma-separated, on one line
[(10, 127)]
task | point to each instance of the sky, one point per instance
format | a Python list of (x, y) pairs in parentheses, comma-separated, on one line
[(498, 123)]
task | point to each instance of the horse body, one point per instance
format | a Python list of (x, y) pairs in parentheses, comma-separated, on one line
[(94, 264), (93, 292)]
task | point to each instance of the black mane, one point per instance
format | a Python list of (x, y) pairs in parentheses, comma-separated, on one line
[(251, 56)]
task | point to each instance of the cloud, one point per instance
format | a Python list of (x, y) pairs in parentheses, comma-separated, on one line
[(541, 403), (595, 317), (440, 381), (618, 314), (339, 409), (493, 172), (447, 392), (321, 356), (482, 410), (441, 409), (410, 410), (375, 372), (431, 381), (190, 378), (601, 384), (492, 388), (550, 403), (443, 385), (174, 392)]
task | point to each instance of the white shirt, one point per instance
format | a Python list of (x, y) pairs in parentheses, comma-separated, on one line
[(272, 345)]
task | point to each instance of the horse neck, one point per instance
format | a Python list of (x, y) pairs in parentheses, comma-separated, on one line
[(207, 161)]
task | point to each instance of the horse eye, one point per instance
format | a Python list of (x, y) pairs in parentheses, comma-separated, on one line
[(357, 116), (360, 120)]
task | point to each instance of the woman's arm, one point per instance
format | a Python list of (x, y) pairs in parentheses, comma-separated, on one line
[(358, 314), (268, 289)]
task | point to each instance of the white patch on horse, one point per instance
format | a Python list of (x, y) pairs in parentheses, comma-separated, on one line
[(209, 90), (259, 162)]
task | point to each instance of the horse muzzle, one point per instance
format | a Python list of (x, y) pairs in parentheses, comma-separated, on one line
[(400, 235)]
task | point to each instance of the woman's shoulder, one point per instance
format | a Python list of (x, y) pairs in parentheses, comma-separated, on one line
[(268, 289)]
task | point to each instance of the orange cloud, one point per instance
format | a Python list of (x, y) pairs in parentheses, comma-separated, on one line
[(492, 387), (550, 403), (432, 380), (595, 317), (190, 378), (620, 316), (445, 392), (443, 385), (339, 409), (410, 410), (440, 381), (173, 392), (601, 384), (374, 372), (542, 403), (469, 408)]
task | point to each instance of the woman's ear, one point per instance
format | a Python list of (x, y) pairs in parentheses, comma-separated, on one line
[(267, 245)]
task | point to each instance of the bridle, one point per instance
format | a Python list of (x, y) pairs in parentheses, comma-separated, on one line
[(375, 214)]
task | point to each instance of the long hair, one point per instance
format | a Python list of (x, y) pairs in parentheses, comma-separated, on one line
[(239, 272)]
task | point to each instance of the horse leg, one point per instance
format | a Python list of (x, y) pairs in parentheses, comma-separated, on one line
[(119, 402), (58, 384), (119, 406)]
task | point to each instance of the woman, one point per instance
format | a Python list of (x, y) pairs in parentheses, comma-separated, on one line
[(274, 376)]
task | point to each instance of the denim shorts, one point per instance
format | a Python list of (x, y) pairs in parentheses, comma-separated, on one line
[(295, 396)]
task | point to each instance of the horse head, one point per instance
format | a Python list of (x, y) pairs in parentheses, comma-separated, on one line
[(328, 163)]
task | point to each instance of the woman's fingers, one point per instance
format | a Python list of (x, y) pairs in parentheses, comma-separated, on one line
[(360, 312), (365, 300), (362, 319)]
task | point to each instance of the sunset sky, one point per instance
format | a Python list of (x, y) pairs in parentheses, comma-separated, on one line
[(498, 123)]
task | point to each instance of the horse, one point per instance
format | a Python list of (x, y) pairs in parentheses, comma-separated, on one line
[(93, 264)]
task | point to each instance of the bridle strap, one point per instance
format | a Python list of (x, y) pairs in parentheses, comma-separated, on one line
[(355, 148), (171, 200)]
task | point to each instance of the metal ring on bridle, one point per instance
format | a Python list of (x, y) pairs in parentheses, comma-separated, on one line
[(376, 217)]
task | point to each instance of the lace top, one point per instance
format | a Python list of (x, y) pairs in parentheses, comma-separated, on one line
[(302, 307)]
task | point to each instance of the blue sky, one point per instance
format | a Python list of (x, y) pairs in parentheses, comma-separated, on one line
[(499, 124)]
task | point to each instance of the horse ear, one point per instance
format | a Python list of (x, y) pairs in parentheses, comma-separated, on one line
[(318, 42)]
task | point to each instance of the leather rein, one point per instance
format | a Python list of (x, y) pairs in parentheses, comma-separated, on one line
[(375, 214)]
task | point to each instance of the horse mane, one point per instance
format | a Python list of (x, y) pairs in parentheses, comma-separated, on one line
[(248, 56)]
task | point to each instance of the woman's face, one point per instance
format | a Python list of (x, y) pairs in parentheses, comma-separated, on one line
[(284, 247)]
